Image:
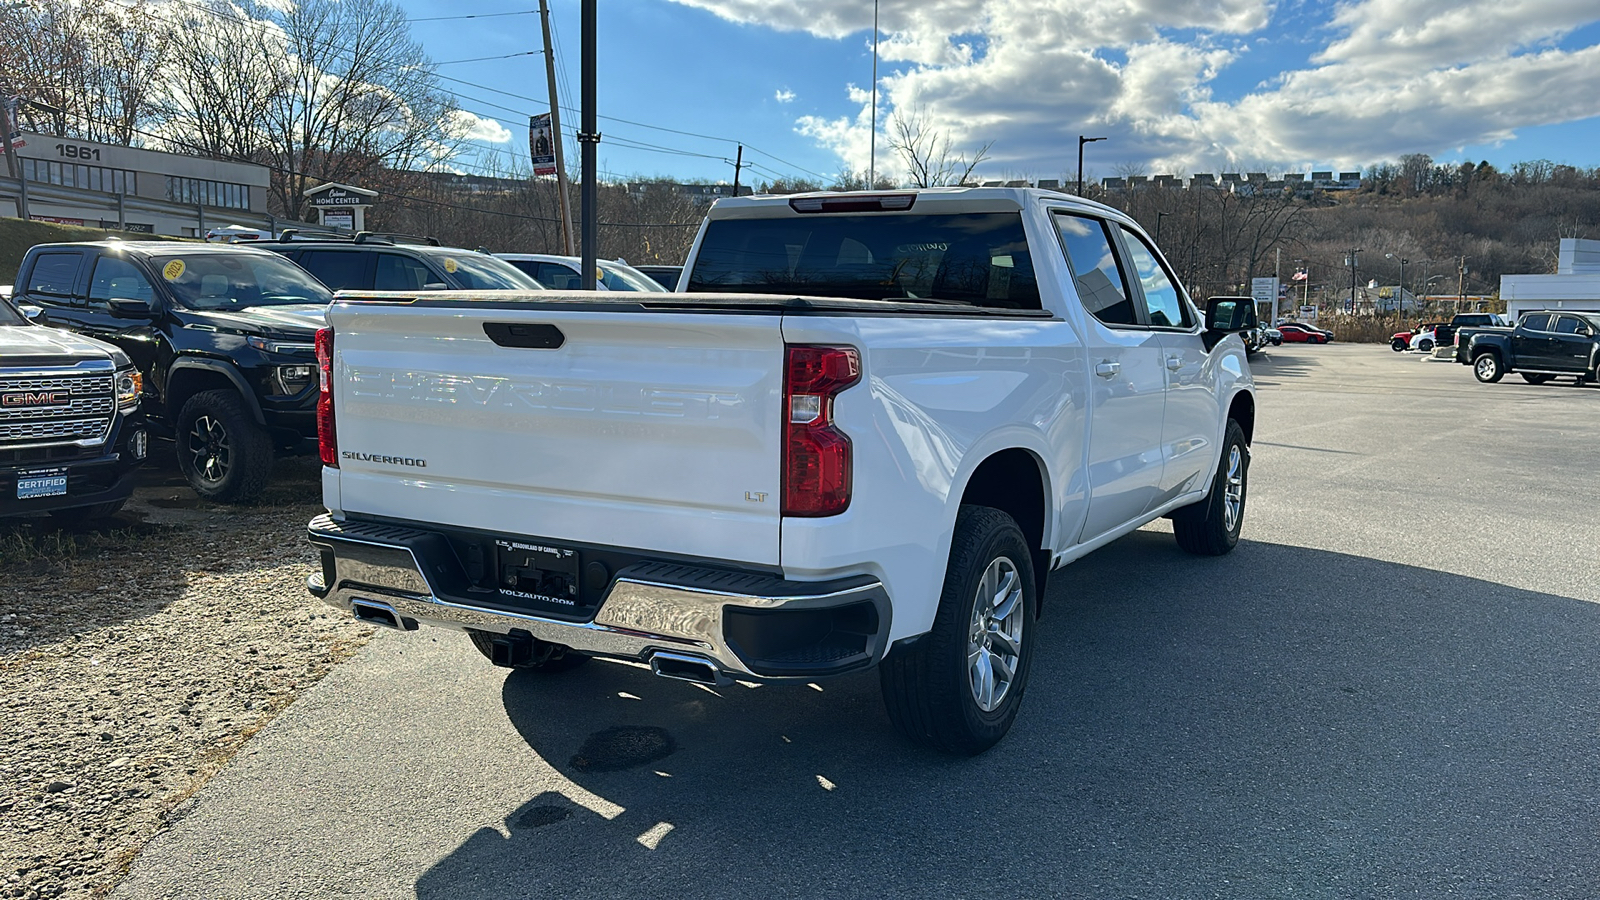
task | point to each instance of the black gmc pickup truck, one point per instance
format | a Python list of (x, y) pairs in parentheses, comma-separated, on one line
[(70, 429), (1544, 345), (222, 335)]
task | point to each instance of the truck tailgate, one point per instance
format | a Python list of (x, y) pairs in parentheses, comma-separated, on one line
[(651, 431)]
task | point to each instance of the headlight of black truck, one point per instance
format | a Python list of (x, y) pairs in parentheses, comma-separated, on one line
[(130, 384)]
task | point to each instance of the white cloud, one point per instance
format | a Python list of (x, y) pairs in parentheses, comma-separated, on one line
[(783, 95), (1387, 77), (466, 126)]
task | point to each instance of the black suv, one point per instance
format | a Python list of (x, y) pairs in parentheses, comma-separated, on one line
[(384, 262), (222, 334)]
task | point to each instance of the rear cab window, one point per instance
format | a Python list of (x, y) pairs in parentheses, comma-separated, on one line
[(972, 259), (54, 277)]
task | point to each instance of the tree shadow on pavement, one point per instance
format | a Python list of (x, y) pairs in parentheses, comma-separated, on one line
[(1280, 722)]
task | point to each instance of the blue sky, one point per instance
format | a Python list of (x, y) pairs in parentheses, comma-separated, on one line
[(1176, 85)]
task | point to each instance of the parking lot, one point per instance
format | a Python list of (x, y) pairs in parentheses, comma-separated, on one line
[(1389, 689)]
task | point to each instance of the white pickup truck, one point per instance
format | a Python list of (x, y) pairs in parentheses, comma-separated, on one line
[(860, 434)]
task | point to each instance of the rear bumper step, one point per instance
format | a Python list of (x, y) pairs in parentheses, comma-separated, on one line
[(696, 623)]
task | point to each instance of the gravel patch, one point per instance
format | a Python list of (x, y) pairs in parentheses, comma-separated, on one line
[(135, 660)]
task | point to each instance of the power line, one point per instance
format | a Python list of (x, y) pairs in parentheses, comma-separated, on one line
[(453, 62), (339, 52), (525, 12)]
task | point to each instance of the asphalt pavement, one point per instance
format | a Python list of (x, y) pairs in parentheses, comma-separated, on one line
[(1388, 690)]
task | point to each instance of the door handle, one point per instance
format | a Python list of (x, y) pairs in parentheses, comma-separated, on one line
[(1174, 363), (1107, 369)]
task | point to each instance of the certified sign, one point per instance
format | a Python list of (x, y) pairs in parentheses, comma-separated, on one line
[(41, 483)]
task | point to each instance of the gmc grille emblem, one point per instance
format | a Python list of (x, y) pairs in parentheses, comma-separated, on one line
[(17, 399)]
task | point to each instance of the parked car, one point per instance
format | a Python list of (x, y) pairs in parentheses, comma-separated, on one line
[(386, 262), (565, 273), (1415, 338), (1273, 336), (221, 335), (666, 276), (1298, 332), (71, 433), (1544, 344), (864, 453)]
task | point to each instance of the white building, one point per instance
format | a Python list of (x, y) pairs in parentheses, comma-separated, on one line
[(1576, 284)]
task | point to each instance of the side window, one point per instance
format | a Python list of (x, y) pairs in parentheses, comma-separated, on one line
[(1568, 325), (118, 279), (54, 277), (1536, 322), (1101, 285), (557, 277), (1161, 298), (338, 269), (399, 273)]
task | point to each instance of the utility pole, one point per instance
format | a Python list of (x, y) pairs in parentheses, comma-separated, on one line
[(5, 136), (555, 130), (872, 159), (737, 165), (589, 137), (1461, 284), (1350, 260)]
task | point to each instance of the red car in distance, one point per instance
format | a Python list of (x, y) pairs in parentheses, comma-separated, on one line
[(1299, 332)]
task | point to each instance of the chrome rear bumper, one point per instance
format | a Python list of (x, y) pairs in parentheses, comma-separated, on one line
[(746, 624)]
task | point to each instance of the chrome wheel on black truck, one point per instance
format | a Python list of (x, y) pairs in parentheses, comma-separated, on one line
[(958, 688), (1487, 368)]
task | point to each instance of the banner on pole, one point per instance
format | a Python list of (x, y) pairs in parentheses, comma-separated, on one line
[(541, 145)]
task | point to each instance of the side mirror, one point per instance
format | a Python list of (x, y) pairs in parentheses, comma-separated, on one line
[(31, 313), (1230, 315), (126, 308)]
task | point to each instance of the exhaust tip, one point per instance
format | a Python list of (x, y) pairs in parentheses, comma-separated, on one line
[(686, 668), (381, 614)]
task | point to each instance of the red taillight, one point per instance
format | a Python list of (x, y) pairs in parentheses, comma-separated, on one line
[(327, 443), (816, 454)]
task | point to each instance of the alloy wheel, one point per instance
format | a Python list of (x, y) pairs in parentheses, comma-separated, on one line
[(208, 449), (1233, 490), (994, 641)]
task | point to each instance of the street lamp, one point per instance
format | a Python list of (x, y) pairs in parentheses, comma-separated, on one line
[(1081, 141), (1400, 295)]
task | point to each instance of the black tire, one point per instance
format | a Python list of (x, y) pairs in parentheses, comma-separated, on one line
[(222, 452), (81, 514), (928, 688), (1425, 346), (1486, 367), (1537, 378), (1211, 527), (541, 657), (1397, 345)]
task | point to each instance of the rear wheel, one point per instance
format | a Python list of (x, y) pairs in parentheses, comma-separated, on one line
[(1425, 346), (958, 688), (1535, 377), (1211, 526), (1487, 368)]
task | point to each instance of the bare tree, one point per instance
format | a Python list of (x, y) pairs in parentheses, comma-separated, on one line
[(931, 160), (222, 71), (359, 94)]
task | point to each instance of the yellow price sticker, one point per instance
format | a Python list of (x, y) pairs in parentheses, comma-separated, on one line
[(172, 271), (450, 265)]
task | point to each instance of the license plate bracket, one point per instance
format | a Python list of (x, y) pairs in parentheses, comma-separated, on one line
[(538, 575), (37, 483)]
